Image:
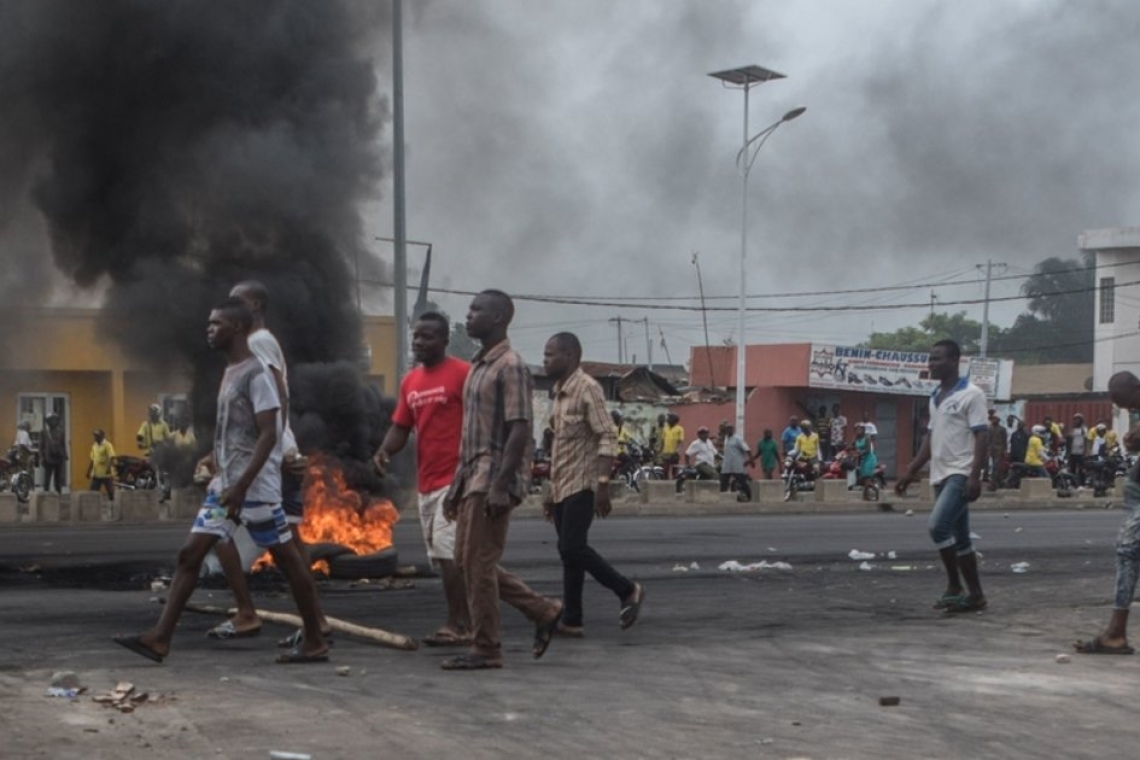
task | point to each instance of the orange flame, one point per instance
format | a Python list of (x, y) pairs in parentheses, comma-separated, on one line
[(337, 514)]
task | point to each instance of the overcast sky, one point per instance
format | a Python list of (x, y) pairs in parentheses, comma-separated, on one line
[(579, 148)]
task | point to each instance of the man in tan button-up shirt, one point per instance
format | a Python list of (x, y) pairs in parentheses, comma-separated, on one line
[(585, 442)]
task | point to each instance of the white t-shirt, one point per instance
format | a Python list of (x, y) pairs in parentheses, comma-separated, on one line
[(870, 429), (953, 423), (23, 438), (702, 452), (268, 351)]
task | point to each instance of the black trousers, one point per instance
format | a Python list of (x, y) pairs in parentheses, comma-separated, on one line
[(743, 483), (573, 517), (53, 473)]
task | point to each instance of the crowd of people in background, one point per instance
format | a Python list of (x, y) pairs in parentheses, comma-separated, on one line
[(1046, 447), (48, 449)]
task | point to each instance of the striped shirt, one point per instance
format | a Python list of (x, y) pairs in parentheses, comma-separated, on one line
[(498, 391), (583, 431)]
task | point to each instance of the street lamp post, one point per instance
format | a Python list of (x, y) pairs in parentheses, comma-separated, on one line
[(746, 78)]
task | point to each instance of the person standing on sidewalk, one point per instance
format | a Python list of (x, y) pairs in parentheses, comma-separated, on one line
[(491, 480), (1077, 444), (431, 404), (54, 447), (955, 446), (580, 465), (101, 466), (997, 440), (1124, 390), (768, 452), (734, 465)]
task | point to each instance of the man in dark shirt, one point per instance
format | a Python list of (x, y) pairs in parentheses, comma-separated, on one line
[(1018, 440)]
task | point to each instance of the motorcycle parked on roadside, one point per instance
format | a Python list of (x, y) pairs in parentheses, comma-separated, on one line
[(635, 466), (798, 475), (138, 474), (14, 476)]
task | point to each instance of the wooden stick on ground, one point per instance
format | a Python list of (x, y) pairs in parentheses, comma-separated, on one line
[(375, 635)]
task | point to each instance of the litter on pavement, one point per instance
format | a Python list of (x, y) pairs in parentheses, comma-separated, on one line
[(732, 566), (1019, 567), (856, 554)]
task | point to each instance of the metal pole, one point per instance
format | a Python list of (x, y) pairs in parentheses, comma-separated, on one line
[(400, 257), (742, 342), (648, 345), (986, 312)]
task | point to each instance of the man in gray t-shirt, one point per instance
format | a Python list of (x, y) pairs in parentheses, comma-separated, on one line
[(246, 489), (732, 467)]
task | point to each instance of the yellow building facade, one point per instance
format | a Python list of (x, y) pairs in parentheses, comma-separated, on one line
[(56, 361)]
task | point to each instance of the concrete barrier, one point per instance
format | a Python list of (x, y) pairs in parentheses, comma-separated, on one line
[(86, 506), (1036, 488), (44, 507), (926, 490), (9, 508), (767, 490), (705, 491), (658, 490), (832, 490), (185, 502), (138, 506)]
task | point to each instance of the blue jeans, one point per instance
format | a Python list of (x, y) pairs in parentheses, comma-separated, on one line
[(950, 519)]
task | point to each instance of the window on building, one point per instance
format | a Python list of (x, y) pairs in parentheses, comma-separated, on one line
[(1107, 300)]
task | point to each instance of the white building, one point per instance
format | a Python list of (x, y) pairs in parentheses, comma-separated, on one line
[(1117, 348)]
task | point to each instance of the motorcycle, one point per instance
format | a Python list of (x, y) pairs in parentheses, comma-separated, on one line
[(138, 474), (798, 475), (1063, 480), (1100, 474), (14, 476), (636, 465), (539, 470)]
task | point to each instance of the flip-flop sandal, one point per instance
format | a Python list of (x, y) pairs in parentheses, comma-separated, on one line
[(628, 615), (135, 644), (470, 662), (946, 600), (1096, 647), (446, 638), (227, 630), (297, 638), (298, 656), (543, 634)]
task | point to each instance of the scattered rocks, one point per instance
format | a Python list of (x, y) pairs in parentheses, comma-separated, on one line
[(889, 701), (1063, 658), (343, 670)]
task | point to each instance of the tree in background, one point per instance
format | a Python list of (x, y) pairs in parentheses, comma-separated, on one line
[(1057, 327)]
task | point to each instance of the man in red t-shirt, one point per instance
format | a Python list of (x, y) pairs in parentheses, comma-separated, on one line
[(431, 404)]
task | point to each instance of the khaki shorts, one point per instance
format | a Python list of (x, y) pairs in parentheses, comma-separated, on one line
[(439, 533)]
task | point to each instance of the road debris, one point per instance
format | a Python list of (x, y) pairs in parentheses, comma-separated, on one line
[(892, 555), (889, 701), (1019, 567), (732, 566), (909, 513), (65, 679), (1063, 658), (856, 554), (866, 566), (277, 754), (1018, 530), (902, 567), (125, 698), (343, 670)]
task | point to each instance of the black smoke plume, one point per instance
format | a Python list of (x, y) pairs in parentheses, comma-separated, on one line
[(174, 148)]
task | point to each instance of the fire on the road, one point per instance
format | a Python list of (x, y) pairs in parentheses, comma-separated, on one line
[(335, 513)]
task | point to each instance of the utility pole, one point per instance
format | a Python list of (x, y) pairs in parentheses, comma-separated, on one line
[(400, 256), (985, 342), (705, 318), (621, 352), (648, 343), (664, 345)]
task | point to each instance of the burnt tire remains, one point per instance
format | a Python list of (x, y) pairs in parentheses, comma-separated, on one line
[(376, 565)]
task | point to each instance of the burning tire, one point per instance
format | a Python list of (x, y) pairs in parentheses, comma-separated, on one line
[(376, 565), (326, 551)]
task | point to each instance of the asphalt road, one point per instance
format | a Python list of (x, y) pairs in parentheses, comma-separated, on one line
[(774, 663)]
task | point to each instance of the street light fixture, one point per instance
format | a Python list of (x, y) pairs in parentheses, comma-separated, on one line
[(745, 78)]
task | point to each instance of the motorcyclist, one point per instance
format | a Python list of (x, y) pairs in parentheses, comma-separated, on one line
[(700, 460), (807, 448), (25, 449)]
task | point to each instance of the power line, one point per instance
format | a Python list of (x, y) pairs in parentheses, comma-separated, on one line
[(770, 309)]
